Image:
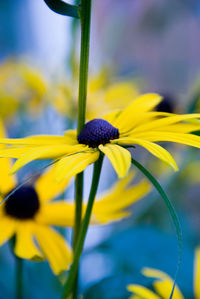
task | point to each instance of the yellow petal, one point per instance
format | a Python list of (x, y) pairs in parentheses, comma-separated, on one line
[(7, 229), (71, 137), (2, 130), (97, 82), (180, 128), (119, 157), (106, 218), (7, 182), (141, 291), (113, 201), (47, 187), (43, 152), (166, 121), (14, 152), (197, 274), (25, 247), (57, 213), (55, 249), (153, 148), (164, 284), (118, 187), (110, 207), (135, 297), (187, 139), (111, 116), (154, 273), (71, 165), (140, 119), (120, 94), (142, 104), (37, 140)]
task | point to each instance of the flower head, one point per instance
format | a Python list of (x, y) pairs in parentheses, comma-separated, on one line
[(102, 95), (21, 85), (137, 124), (30, 212), (163, 283), (23, 215), (96, 132), (17, 205)]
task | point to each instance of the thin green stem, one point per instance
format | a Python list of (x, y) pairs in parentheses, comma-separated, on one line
[(78, 208), (78, 218), (18, 276), (172, 212), (72, 56), (84, 227), (85, 14), (85, 17)]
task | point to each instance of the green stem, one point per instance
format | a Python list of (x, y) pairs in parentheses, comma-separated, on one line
[(172, 212), (78, 217), (84, 227), (85, 17), (85, 14), (18, 275), (72, 56)]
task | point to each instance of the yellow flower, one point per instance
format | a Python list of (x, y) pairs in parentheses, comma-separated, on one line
[(163, 283), (24, 216), (30, 212), (20, 84), (106, 97), (109, 207), (102, 96), (135, 125)]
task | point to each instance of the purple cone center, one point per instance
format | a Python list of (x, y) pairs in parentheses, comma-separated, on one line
[(97, 131), (23, 204)]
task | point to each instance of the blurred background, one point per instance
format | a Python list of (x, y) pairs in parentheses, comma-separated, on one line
[(151, 46)]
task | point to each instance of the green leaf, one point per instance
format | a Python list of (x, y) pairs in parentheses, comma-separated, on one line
[(63, 8), (172, 212)]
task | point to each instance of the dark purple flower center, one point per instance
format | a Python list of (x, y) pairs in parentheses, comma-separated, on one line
[(97, 131), (166, 105), (23, 204)]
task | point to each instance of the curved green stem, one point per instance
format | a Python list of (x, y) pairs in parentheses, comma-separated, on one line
[(18, 276), (84, 227), (172, 212)]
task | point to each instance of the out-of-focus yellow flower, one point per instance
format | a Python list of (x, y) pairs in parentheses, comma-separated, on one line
[(24, 86), (29, 213), (137, 124), (101, 96), (60, 96), (110, 207), (163, 284), (35, 87), (20, 86)]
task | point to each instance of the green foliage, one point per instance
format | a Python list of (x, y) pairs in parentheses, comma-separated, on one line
[(63, 8)]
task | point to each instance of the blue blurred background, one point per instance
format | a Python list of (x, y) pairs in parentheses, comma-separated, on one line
[(157, 44)]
